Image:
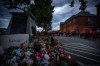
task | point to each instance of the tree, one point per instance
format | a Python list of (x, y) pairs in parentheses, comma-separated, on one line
[(42, 10), (82, 4), (10, 4)]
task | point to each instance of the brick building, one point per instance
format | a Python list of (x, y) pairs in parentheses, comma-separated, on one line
[(79, 22)]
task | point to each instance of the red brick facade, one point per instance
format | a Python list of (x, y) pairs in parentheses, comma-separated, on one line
[(76, 23)]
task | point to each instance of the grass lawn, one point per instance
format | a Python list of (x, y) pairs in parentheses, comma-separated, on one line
[(44, 36)]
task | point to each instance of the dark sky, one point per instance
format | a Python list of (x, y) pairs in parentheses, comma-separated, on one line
[(62, 12)]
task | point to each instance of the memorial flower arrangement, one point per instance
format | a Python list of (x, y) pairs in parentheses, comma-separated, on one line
[(44, 52)]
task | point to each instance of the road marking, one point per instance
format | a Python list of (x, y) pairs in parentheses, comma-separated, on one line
[(83, 48), (90, 47), (83, 57), (83, 52), (80, 63)]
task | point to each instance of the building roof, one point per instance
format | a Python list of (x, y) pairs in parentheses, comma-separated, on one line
[(84, 13), (81, 13), (23, 13), (18, 13), (61, 23), (70, 18)]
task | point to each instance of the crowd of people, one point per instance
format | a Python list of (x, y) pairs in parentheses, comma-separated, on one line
[(92, 35), (42, 52)]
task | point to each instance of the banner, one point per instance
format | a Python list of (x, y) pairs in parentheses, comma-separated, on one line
[(13, 40)]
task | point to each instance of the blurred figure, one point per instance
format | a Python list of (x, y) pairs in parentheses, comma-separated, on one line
[(81, 34), (98, 33), (94, 34)]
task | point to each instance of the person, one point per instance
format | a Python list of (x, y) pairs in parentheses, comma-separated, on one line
[(81, 34), (1, 55), (98, 33), (52, 39), (94, 34)]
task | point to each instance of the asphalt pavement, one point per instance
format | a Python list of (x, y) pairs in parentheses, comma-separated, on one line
[(84, 51)]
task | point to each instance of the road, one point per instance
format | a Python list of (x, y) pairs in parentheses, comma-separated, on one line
[(82, 50)]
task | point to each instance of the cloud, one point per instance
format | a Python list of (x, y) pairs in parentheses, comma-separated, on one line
[(62, 13), (56, 27), (92, 3), (61, 10), (3, 10), (39, 29), (92, 10), (59, 3), (4, 17), (4, 23)]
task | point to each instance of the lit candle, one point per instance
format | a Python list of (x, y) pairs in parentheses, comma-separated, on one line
[(69, 57)]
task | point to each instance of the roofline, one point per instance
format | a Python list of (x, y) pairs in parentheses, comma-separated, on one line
[(74, 16), (23, 13), (18, 13)]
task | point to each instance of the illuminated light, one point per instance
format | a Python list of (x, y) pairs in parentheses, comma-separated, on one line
[(69, 57)]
